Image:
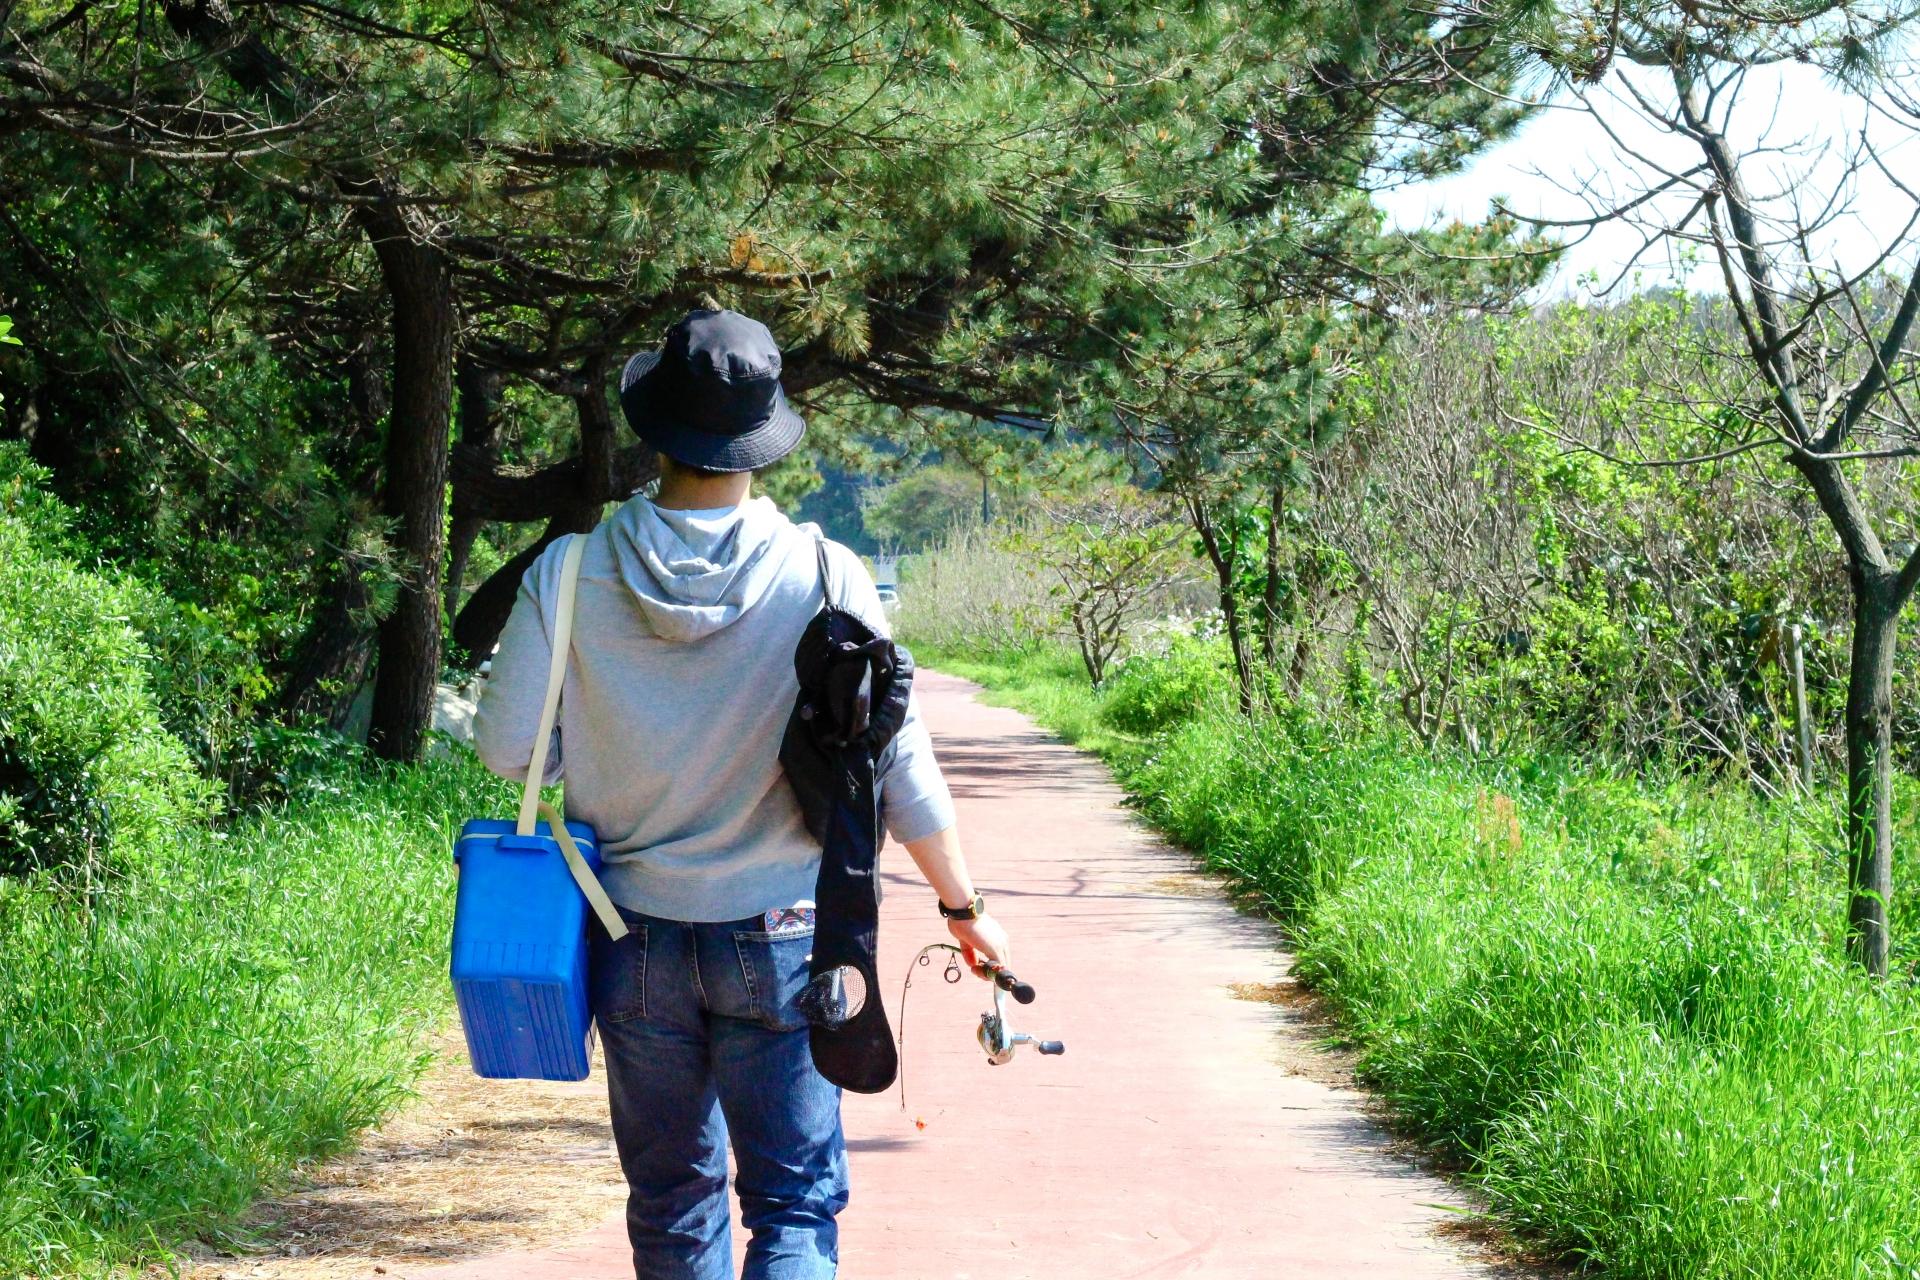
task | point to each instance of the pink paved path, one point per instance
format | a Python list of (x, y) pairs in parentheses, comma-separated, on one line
[(1169, 1141)]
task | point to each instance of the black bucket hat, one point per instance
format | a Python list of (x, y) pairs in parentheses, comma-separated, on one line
[(711, 397)]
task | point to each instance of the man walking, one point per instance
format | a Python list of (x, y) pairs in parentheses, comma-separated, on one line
[(678, 687)]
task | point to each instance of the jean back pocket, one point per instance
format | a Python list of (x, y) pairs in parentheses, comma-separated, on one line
[(617, 973), (774, 967)]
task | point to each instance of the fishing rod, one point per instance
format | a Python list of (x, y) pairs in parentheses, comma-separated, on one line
[(996, 1035)]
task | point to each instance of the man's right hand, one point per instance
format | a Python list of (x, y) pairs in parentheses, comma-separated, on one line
[(981, 938)]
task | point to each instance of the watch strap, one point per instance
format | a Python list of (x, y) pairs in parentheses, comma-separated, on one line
[(974, 909)]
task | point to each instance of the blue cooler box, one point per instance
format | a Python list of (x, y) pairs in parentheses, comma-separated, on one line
[(520, 952)]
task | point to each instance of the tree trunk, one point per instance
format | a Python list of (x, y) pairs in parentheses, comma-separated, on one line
[(522, 497), (599, 464), (420, 289), (1880, 592), (1869, 724), (1297, 668), (1089, 648), (1222, 559), (477, 630), (334, 653), (1270, 596), (574, 493), (479, 393)]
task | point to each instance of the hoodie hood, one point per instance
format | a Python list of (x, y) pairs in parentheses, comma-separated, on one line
[(695, 572)]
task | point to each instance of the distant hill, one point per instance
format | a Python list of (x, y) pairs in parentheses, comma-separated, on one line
[(835, 507)]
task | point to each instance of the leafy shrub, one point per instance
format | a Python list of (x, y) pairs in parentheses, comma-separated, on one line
[(249, 998), (7, 340), (1151, 692), (972, 593), (1620, 998), (89, 777), (208, 684)]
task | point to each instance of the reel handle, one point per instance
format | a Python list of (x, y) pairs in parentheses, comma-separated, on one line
[(1052, 1048)]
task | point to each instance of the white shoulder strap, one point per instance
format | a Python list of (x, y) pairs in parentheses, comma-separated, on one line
[(556, 677), (530, 801)]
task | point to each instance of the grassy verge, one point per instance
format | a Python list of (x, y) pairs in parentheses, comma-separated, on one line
[(249, 998), (1620, 999), (1048, 684)]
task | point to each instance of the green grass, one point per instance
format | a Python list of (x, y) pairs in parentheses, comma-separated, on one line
[(1620, 1000), (1048, 684), (248, 999)]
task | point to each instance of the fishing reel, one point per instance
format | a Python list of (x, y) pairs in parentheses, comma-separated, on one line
[(997, 1037)]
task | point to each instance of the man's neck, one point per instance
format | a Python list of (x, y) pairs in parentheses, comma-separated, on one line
[(682, 492)]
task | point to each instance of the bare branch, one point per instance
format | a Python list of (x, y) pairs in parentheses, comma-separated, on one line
[(1875, 376)]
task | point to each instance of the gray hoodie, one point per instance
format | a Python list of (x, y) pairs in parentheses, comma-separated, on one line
[(677, 692)]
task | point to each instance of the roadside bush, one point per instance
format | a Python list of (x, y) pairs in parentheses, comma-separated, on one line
[(974, 594), (1151, 692), (89, 777), (1621, 999), (250, 998), (209, 686), (226, 1000), (1660, 1081)]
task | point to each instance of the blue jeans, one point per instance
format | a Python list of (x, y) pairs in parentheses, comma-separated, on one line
[(703, 1043)]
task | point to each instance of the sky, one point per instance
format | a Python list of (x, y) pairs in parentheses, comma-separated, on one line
[(1810, 124)]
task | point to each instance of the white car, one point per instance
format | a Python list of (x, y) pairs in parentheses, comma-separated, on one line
[(889, 598)]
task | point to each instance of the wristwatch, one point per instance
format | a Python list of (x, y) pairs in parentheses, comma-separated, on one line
[(972, 911)]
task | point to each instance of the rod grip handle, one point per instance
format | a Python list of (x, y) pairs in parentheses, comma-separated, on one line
[(1020, 991)]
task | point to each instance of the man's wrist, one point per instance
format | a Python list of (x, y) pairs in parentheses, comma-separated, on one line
[(975, 908)]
